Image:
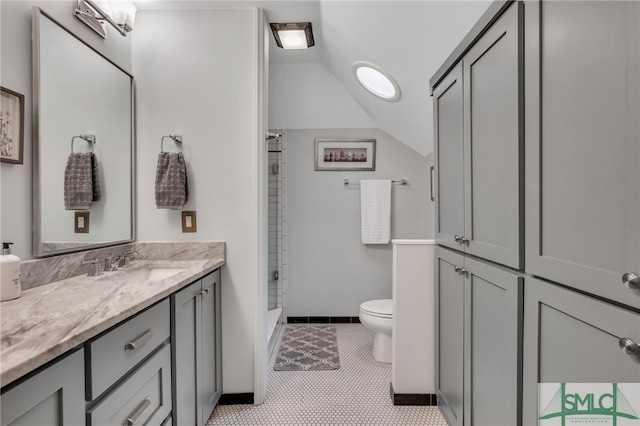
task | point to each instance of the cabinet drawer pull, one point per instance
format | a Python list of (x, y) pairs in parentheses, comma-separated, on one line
[(631, 280), (628, 346), (138, 341), (139, 411)]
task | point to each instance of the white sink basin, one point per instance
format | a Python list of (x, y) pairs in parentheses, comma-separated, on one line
[(153, 274)]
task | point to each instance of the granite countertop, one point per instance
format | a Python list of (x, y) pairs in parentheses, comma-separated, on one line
[(49, 320)]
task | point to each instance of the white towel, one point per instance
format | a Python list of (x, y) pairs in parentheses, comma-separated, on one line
[(375, 211)]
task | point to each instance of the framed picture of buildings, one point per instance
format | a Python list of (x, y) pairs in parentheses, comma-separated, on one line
[(345, 154), (12, 126)]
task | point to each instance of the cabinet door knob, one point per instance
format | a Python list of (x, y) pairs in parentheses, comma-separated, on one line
[(456, 268), (457, 238), (628, 346), (631, 280), (464, 271), (464, 240)]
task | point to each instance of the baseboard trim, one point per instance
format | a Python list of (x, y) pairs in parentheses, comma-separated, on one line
[(236, 398), (323, 320), (428, 399)]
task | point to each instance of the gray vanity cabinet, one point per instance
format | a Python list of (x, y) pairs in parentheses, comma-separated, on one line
[(582, 152), (54, 396), (211, 344), (448, 149), (111, 356), (478, 341), (493, 344), (492, 143), (144, 397), (196, 350), (450, 335), (128, 374), (478, 147), (574, 338)]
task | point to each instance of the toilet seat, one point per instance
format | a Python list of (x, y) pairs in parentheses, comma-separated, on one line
[(381, 308)]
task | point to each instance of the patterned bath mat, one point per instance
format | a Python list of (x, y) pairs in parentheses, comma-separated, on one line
[(308, 348)]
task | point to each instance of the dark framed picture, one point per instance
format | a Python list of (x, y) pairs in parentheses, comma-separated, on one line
[(345, 154), (12, 126)]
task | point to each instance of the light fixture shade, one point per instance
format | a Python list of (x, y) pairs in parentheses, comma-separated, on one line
[(120, 14), (298, 35), (124, 13)]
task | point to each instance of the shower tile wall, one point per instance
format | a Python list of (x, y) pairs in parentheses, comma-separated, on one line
[(277, 223), (283, 227)]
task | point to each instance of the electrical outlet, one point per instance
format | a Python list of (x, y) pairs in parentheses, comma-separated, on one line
[(81, 222), (189, 222)]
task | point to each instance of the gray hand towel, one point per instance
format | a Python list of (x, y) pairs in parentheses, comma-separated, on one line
[(95, 175), (81, 181), (172, 190)]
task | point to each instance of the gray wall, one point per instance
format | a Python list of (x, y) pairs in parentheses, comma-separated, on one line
[(15, 34), (330, 272)]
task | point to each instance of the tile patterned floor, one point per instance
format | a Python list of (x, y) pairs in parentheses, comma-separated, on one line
[(356, 394)]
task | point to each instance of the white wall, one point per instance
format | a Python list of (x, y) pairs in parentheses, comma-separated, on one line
[(330, 272), (195, 79), (16, 74), (308, 96)]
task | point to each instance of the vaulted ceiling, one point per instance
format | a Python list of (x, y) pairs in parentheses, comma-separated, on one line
[(315, 88)]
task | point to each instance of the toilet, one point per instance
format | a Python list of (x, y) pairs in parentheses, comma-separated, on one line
[(377, 316)]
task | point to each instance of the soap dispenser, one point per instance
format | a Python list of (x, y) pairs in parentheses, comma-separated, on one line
[(10, 285)]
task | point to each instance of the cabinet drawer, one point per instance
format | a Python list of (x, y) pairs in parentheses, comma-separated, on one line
[(110, 356), (144, 398)]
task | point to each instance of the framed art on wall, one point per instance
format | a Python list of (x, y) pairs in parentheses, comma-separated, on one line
[(12, 126), (345, 154)]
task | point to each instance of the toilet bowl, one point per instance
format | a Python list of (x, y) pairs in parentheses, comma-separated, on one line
[(377, 316)]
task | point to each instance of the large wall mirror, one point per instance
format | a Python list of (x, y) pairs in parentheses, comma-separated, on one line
[(83, 103)]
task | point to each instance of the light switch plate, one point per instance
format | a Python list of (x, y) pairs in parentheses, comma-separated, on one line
[(189, 222), (81, 222)]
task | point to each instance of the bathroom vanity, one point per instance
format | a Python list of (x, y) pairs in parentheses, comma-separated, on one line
[(137, 345)]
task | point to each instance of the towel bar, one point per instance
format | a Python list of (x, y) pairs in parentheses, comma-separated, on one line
[(91, 139), (176, 139), (399, 182)]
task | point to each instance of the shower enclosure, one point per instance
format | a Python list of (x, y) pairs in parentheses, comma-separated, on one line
[(276, 235)]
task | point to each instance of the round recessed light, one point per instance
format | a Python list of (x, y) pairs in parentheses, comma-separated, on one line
[(376, 81)]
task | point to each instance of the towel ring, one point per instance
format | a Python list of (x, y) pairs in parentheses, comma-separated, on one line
[(176, 139), (91, 139)]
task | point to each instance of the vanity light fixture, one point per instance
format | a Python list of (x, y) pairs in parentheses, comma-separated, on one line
[(377, 81), (120, 14), (297, 35)]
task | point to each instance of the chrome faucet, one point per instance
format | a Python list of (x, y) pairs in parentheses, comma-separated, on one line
[(108, 263), (95, 267), (124, 259)]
